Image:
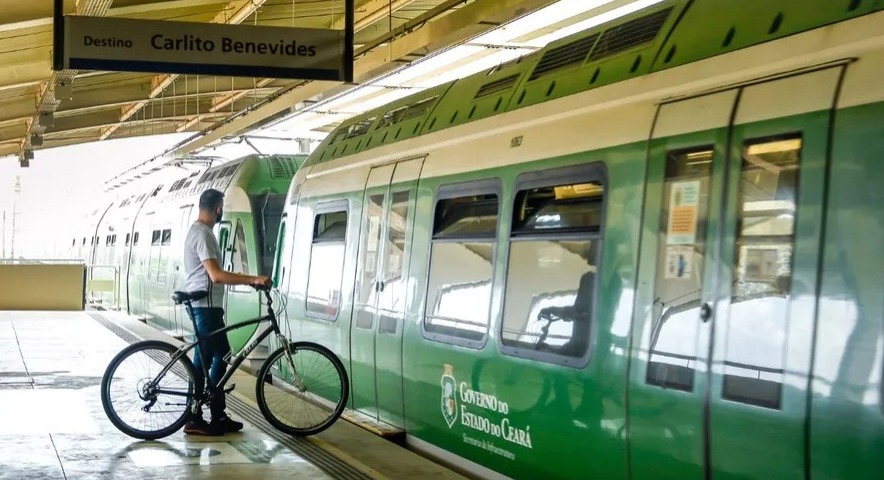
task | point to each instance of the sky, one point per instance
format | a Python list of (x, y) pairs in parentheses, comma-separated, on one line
[(57, 186)]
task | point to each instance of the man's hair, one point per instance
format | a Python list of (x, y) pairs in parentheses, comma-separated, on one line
[(211, 199)]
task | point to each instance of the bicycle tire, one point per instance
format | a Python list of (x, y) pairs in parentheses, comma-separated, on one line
[(264, 373), (108, 376)]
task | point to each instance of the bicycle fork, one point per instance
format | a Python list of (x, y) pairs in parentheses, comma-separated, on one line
[(296, 379)]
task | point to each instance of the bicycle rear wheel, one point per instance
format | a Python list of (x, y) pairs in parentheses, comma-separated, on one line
[(139, 403), (312, 392)]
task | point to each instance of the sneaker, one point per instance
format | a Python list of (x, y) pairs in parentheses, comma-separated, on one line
[(198, 426), (226, 424)]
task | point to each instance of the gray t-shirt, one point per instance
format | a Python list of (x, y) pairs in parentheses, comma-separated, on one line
[(200, 245)]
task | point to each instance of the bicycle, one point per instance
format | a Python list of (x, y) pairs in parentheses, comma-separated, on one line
[(285, 381)]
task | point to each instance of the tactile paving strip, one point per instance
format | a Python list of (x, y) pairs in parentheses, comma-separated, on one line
[(314, 454)]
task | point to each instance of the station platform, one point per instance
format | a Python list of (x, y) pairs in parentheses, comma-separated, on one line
[(53, 426)]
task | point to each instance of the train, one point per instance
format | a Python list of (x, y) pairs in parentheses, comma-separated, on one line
[(644, 251), (132, 239)]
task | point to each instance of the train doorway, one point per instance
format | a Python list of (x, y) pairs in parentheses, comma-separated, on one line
[(381, 290)]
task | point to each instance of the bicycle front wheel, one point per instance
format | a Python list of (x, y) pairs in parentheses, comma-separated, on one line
[(303, 393), (138, 400)]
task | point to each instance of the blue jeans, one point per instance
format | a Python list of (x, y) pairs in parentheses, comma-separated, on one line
[(214, 349)]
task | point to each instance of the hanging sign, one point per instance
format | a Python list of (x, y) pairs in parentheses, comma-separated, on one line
[(127, 44)]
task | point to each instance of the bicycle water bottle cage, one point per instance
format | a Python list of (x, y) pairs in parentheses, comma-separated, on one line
[(182, 297)]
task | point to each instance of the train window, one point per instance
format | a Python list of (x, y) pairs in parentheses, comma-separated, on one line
[(156, 235), (327, 261), (462, 263), (679, 279), (135, 238), (167, 237), (554, 252), (759, 309), (128, 238)]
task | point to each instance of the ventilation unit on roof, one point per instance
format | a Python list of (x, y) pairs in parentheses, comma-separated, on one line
[(283, 167), (630, 34), (567, 55), (500, 85)]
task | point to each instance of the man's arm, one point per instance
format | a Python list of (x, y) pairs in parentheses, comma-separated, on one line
[(229, 278), (209, 255)]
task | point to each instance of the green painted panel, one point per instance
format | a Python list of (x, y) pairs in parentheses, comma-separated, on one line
[(713, 27), (512, 414), (847, 426)]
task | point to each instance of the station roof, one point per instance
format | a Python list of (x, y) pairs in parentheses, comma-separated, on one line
[(105, 105), (401, 46)]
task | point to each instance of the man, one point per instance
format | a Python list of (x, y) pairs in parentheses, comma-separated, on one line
[(202, 255)]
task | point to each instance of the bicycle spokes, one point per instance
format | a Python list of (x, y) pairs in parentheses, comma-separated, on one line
[(145, 394), (302, 389)]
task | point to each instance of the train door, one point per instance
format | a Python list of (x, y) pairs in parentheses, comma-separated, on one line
[(670, 336), (242, 303), (179, 273), (724, 313), (764, 317), (380, 304)]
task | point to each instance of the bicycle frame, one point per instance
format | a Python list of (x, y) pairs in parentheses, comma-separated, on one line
[(236, 360)]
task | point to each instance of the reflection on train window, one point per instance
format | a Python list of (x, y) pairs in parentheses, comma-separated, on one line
[(680, 256), (240, 256), (759, 310), (369, 251), (392, 296), (326, 264), (461, 265), (551, 275)]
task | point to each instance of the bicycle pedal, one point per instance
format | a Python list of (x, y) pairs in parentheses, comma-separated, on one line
[(230, 388)]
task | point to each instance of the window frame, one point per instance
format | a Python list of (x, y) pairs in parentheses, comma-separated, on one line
[(485, 186), (322, 208), (567, 175)]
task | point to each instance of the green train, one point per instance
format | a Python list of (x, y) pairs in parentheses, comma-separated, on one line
[(649, 250), (135, 238)]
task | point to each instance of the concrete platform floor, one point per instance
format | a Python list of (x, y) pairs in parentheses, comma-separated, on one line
[(52, 424)]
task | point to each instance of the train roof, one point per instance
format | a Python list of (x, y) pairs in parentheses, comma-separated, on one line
[(666, 35), (273, 174)]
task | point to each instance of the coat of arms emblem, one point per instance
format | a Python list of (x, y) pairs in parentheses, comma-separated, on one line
[(449, 402)]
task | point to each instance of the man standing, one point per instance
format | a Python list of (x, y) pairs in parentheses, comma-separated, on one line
[(202, 255)]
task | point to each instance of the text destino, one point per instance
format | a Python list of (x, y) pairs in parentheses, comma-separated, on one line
[(190, 43)]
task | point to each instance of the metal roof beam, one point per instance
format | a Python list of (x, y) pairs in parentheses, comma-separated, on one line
[(453, 28), (366, 14), (46, 101), (241, 10)]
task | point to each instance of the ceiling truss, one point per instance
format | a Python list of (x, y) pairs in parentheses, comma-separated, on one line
[(41, 108)]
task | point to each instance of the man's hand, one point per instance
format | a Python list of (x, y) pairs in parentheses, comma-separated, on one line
[(262, 281)]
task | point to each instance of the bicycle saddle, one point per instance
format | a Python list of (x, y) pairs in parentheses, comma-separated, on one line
[(181, 297)]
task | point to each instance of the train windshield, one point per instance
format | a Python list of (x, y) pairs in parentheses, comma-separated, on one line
[(268, 209)]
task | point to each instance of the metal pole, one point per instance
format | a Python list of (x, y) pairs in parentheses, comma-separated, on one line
[(58, 35), (349, 20)]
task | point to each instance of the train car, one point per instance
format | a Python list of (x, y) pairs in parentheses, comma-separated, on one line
[(649, 250), (138, 237)]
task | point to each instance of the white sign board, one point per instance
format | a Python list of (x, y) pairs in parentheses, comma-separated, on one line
[(126, 44)]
